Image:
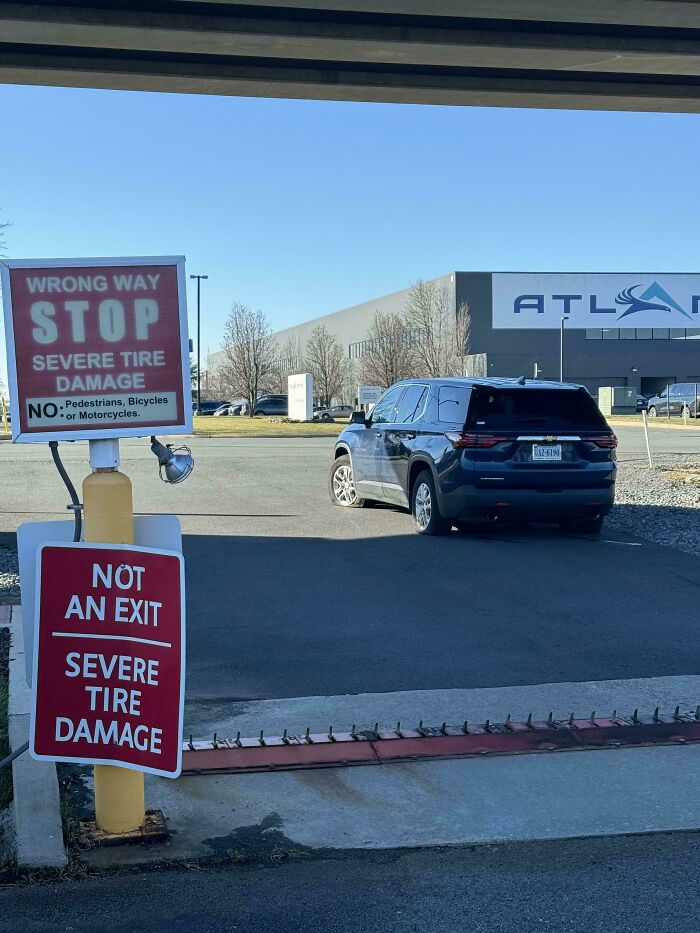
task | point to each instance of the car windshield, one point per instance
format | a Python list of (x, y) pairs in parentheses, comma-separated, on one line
[(555, 409)]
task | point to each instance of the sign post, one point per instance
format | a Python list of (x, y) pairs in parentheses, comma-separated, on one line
[(300, 397), (97, 350)]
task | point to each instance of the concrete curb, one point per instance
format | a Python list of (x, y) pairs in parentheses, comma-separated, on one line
[(36, 805)]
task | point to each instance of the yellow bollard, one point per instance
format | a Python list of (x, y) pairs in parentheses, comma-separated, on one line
[(109, 519)]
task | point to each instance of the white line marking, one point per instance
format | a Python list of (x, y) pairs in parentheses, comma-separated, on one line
[(143, 641), (626, 543)]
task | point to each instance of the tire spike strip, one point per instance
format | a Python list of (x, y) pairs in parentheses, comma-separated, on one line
[(310, 750)]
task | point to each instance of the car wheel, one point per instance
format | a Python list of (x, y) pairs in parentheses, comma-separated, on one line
[(652, 411), (685, 413), (342, 487), (425, 508), (326, 418)]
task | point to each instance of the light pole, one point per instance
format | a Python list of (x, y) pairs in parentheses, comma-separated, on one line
[(199, 372), (561, 351)]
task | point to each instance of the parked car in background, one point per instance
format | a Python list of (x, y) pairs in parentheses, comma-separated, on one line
[(642, 402), (330, 414), (271, 405), (681, 398), (455, 449), (208, 408), (223, 410)]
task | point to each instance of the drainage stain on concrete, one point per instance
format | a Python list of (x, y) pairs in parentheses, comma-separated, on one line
[(263, 841), (331, 784)]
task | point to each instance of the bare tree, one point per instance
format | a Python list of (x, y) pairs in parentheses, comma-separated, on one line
[(3, 244), (289, 360), (389, 354), (328, 364), (216, 385), (441, 332), (3, 227), (249, 353)]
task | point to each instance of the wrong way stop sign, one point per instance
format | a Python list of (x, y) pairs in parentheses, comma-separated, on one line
[(96, 347)]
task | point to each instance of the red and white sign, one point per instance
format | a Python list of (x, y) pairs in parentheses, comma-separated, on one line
[(96, 347), (109, 657)]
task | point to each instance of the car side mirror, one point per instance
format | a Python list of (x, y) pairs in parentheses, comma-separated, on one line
[(358, 417)]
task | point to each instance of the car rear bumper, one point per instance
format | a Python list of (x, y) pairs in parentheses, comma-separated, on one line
[(569, 504)]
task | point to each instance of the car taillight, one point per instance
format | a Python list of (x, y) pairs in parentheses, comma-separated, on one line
[(608, 441), (463, 439)]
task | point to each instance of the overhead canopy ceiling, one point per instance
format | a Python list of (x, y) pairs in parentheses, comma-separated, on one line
[(579, 54)]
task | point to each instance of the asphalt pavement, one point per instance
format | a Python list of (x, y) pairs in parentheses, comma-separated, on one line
[(623, 885), (291, 596)]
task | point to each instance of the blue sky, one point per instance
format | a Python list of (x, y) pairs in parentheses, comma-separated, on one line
[(302, 208)]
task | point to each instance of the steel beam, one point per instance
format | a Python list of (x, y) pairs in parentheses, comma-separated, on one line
[(631, 55)]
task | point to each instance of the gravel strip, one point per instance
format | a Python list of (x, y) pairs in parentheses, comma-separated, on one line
[(653, 504), (9, 576)]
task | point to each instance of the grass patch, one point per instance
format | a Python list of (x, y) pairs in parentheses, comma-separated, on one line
[(659, 422), (261, 426), (5, 773)]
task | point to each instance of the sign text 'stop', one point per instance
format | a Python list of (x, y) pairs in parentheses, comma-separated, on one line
[(96, 348)]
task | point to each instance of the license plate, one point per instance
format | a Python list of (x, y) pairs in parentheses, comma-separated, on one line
[(547, 452)]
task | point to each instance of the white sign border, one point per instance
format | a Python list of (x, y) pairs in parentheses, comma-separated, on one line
[(95, 432), (35, 660)]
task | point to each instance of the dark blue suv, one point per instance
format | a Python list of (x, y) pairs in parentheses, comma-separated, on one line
[(500, 449)]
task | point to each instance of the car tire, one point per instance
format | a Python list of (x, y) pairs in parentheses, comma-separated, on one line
[(425, 508), (341, 485), (326, 418), (651, 411)]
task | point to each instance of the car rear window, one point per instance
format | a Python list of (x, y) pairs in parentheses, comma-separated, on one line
[(555, 409)]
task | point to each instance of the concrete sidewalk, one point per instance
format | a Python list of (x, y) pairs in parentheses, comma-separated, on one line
[(430, 803), (554, 795), (203, 718), (36, 804)]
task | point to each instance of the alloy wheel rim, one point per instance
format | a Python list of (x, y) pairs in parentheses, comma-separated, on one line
[(424, 506), (343, 486)]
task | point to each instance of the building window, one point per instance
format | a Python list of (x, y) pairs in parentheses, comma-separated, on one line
[(642, 333)]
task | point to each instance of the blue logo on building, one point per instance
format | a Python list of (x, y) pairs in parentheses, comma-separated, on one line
[(645, 302)]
